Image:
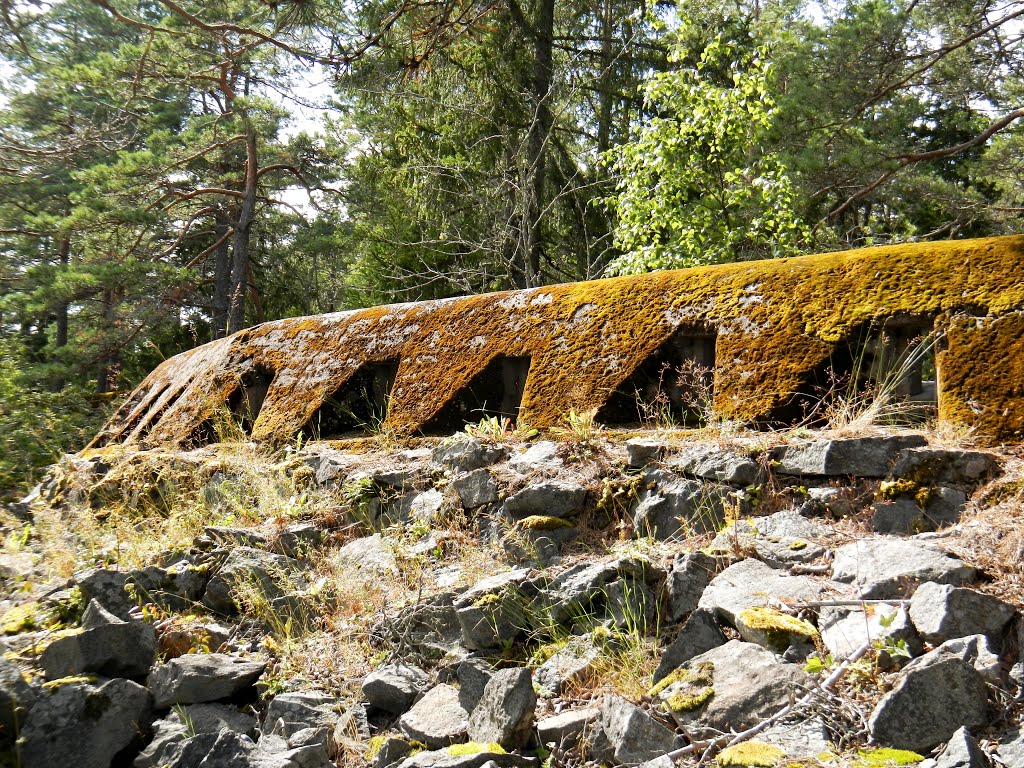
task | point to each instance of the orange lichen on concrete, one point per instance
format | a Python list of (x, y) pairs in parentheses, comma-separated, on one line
[(776, 321)]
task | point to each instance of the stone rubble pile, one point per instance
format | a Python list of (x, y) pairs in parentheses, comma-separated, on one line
[(749, 625)]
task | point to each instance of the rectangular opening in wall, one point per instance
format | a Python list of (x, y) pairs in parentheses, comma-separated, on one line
[(358, 406), (674, 386), (246, 401), (495, 392), (884, 372)]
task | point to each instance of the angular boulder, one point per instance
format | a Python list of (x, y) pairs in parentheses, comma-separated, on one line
[(942, 612), (505, 713), (201, 677), (438, 719), (84, 724), (929, 704), (885, 568)]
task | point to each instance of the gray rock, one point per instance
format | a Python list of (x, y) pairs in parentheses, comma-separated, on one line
[(373, 554), (942, 612), (476, 488), (930, 466), (962, 751), (567, 728), (856, 456), (201, 677), (551, 498), (699, 635), (973, 650), (505, 712), (124, 649), (845, 632), (641, 451), (391, 751), (780, 540), (273, 576), (750, 583), (713, 462), (675, 506), (172, 734), (690, 575), (83, 724), (289, 713), (579, 594), (898, 516), (732, 686), (445, 759), (1011, 748), (929, 703), (883, 568), (425, 507), (437, 719), (802, 739), (394, 687), (627, 735), (542, 454), (327, 464), (465, 453), (632, 606), (16, 699), (95, 615), (571, 663), (106, 587), (472, 676)]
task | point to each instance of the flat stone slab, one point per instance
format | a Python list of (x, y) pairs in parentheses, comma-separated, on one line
[(751, 583), (886, 568), (854, 456), (201, 677)]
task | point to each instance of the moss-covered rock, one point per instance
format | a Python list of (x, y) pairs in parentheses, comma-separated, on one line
[(773, 629), (752, 754), (686, 689)]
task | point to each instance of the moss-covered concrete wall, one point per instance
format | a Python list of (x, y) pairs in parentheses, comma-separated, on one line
[(776, 321)]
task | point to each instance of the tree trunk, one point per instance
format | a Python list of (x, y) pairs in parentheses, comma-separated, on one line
[(64, 254), (540, 128), (240, 241), (221, 278)]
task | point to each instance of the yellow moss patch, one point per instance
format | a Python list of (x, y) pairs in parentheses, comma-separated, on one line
[(779, 628), (753, 754), (475, 748), (543, 523), (894, 489), (23, 618), (686, 689), (880, 758), (53, 685)]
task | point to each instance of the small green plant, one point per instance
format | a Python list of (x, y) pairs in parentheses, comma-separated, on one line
[(498, 429), (580, 427)]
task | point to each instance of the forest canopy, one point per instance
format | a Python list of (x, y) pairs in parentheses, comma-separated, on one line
[(172, 170)]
